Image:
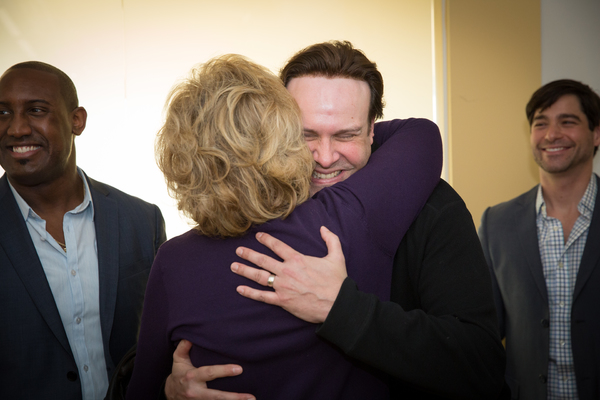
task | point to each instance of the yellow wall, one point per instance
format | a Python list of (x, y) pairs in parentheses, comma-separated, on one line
[(494, 65)]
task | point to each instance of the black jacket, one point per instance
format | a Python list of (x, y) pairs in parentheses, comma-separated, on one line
[(437, 338)]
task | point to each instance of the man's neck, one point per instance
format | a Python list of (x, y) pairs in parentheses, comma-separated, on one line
[(565, 189), (55, 197), (562, 194)]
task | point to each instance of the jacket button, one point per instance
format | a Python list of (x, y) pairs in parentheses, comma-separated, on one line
[(545, 323), (542, 378), (72, 376)]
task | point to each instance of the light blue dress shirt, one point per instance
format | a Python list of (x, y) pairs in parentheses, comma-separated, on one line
[(73, 279), (560, 262)]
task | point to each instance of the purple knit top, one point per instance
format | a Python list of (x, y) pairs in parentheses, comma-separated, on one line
[(191, 292)]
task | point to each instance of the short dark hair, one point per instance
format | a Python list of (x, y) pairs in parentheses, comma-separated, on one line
[(338, 59), (549, 94), (67, 87)]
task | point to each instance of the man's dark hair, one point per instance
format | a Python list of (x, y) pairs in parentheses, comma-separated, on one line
[(549, 94), (66, 85), (337, 59)]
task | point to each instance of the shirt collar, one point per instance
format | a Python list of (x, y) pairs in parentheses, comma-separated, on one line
[(585, 206), (27, 211)]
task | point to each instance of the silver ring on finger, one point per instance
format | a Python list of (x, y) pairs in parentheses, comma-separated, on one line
[(271, 280)]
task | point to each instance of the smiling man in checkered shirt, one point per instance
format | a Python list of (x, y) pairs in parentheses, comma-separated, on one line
[(543, 250)]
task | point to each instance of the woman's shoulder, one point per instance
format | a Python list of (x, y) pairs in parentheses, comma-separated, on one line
[(174, 246)]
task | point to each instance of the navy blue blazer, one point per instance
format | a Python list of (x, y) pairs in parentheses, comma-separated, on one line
[(508, 236), (36, 361)]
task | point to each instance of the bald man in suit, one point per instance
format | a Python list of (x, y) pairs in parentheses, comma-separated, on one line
[(75, 253)]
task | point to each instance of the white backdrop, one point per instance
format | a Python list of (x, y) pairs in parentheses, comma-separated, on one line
[(571, 43), (124, 56)]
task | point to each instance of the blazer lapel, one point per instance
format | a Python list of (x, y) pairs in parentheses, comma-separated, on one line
[(591, 252), (17, 244), (107, 239), (528, 238)]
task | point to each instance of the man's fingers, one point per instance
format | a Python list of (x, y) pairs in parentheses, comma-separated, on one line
[(334, 247), (259, 295), (212, 394), (259, 259), (192, 383), (182, 352), (259, 276), (277, 246), (212, 372)]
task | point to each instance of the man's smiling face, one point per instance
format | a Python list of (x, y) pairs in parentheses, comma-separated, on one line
[(36, 129), (335, 117), (561, 139)]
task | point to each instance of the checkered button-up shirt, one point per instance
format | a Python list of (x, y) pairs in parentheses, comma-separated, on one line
[(560, 263)]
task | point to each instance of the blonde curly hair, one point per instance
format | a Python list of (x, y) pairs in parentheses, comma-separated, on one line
[(232, 148)]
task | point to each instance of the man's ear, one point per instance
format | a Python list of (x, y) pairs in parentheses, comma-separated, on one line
[(79, 118), (372, 130), (596, 133)]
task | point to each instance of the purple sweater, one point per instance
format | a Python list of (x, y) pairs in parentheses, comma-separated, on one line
[(191, 292)]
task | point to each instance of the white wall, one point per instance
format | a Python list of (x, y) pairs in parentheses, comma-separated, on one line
[(571, 43), (124, 56)]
